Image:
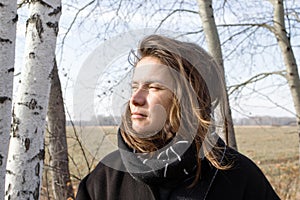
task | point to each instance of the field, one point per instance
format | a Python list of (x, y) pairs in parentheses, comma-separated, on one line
[(274, 149)]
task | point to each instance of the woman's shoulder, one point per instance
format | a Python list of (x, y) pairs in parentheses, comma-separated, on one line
[(103, 177), (241, 162), (247, 176)]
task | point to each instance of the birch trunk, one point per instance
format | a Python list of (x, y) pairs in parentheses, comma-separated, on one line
[(214, 47), (292, 74), (26, 149), (8, 19), (58, 148)]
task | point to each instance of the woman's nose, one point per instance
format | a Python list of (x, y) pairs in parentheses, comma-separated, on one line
[(138, 97)]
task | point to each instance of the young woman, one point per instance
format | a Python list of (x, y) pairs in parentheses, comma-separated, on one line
[(168, 144)]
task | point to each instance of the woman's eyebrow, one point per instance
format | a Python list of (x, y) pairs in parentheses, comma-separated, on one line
[(148, 81)]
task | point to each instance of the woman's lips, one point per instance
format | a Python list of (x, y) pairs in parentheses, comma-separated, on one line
[(137, 115)]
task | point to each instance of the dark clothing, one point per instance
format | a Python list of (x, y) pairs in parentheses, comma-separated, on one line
[(244, 181)]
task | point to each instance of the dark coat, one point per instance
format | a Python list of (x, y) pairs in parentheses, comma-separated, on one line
[(244, 181)]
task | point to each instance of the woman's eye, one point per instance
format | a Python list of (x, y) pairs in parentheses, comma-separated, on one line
[(134, 88), (154, 87)]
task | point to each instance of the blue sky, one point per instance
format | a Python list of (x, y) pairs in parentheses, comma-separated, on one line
[(245, 55)]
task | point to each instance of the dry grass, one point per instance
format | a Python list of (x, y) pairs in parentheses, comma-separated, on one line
[(276, 151), (273, 149)]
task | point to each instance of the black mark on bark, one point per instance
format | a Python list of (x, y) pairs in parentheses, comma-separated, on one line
[(36, 19), (15, 124), (3, 99), (54, 26), (1, 5), (2, 40), (36, 192), (31, 105), (39, 156), (23, 177), (27, 144), (32, 55), (1, 160), (37, 169), (11, 70), (32, 94), (55, 11), (10, 172), (14, 20), (8, 190)]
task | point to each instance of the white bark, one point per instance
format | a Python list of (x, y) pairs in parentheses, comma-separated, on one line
[(290, 63), (26, 150), (8, 19), (214, 47)]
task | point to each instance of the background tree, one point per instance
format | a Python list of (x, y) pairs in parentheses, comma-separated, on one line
[(58, 147), (8, 20), (26, 150), (283, 39), (214, 47)]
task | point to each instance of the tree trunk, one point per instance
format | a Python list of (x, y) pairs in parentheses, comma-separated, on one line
[(8, 19), (292, 74), (26, 149), (58, 148), (214, 47)]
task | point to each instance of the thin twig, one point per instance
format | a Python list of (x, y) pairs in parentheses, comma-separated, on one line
[(78, 141)]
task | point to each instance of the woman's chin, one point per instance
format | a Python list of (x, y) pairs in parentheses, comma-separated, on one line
[(145, 131)]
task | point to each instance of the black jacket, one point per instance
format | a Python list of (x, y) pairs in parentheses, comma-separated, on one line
[(244, 181)]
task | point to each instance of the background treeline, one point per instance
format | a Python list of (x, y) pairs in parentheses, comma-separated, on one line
[(102, 120)]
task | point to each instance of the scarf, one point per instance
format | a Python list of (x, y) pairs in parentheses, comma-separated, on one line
[(167, 167)]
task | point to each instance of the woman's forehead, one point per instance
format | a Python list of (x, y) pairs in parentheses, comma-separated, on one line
[(151, 70)]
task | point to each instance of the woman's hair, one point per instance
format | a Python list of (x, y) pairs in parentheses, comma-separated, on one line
[(199, 88)]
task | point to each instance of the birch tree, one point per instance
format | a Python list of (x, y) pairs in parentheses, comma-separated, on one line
[(292, 74), (214, 47), (26, 150), (8, 19), (58, 148)]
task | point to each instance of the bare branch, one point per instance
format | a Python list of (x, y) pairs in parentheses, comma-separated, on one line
[(79, 142), (172, 13), (256, 78), (72, 23), (296, 15), (240, 43), (276, 104), (263, 25)]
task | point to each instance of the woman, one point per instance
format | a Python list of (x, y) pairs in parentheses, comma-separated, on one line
[(168, 146)]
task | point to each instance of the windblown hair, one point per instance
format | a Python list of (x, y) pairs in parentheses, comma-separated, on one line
[(199, 87)]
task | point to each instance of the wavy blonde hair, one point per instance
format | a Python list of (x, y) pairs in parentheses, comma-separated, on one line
[(195, 96)]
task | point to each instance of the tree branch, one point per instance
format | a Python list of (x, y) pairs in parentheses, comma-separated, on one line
[(254, 79), (71, 25), (263, 25), (172, 13)]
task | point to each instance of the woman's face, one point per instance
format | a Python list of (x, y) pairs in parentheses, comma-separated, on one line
[(151, 97)]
